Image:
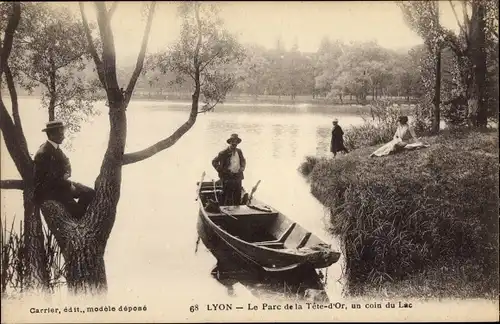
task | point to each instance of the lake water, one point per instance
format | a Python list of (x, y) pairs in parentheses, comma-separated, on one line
[(150, 256), (152, 245)]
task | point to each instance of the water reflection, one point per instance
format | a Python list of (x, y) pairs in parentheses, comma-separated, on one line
[(161, 189), (323, 137), (278, 140), (293, 130)]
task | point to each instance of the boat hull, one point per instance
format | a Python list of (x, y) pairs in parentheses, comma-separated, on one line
[(225, 245)]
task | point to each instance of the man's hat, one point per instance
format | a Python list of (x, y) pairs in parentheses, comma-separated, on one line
[(53, 125), (234, 137), (335, 120)]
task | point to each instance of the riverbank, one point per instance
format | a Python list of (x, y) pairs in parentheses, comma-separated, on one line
[(275, 104), (420, 223)]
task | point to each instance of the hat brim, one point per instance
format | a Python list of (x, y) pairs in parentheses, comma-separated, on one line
[(230, 140), (51, 128)]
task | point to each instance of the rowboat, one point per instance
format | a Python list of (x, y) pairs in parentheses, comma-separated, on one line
[(259, 234)]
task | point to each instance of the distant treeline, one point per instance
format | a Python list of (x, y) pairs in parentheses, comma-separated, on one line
[(337, 72)]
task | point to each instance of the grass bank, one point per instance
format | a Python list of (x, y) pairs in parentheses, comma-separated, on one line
[(420, 223)]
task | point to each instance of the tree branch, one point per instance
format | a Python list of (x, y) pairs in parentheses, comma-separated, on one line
[(161, 145), (466, 17), (209, 60), (108, 53), (15, 107), (14, 140), (172, 139), (13, 97), (209, 108), (142, 54), (9, 35), (12, 184), (91, 47), (59, 221), (69, 61), (29, 76), (112, 10), (460, 25), (15, 143)]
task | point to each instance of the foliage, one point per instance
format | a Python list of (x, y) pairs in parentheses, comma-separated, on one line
[(50, 53), (474, 49), (378, 127), (308, 165), (204, 47), (336, 70), (417, 214)]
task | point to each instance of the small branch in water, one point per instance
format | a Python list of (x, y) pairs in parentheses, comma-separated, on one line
[(197, 243), (12, 184)]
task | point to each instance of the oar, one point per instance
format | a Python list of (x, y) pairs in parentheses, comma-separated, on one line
[(199, 186), (252, 192), (215, 193)]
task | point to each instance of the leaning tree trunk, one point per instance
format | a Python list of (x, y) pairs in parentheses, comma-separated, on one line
[(436, 118), (82, 247), (477, 102), (86, 271), (35, 255)]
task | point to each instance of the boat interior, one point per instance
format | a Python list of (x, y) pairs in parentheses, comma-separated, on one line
[(257, 223)]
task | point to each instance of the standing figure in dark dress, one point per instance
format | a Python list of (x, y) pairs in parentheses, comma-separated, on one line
[(230, 164), (337, 143), (52, 171)]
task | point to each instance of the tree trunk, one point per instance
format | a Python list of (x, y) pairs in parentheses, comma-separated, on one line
[(477, 102), (51, 108), (86, 272), (35, 258), (52, 91), (436, 120)]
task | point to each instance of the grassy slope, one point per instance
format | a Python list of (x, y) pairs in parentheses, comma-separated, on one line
[(419, 223)]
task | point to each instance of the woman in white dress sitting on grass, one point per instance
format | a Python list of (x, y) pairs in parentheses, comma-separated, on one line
[(403, 138)]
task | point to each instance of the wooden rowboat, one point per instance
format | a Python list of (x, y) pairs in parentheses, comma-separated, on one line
[(260, 234)]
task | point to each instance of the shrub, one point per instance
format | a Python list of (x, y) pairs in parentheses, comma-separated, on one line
[(378, 127), (306, 167), (430, 213)]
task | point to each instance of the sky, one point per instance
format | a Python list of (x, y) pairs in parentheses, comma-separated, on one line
[(262, 23)]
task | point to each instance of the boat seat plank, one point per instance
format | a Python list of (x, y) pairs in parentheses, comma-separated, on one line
[(287, 233), (209, 191), (270, 244), (304, 240), (281, 240), (244, 210)]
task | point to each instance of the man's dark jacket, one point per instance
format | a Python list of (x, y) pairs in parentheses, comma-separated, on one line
[(50, 166), (222, 162)]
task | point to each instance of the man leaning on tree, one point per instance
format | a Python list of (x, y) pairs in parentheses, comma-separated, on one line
[(52, 172)]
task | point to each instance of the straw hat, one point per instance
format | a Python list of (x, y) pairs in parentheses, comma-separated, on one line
[(55, 124)]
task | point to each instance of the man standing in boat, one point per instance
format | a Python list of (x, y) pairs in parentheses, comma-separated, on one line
[(230, 164)]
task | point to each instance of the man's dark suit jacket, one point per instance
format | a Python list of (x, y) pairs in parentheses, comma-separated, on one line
[(222, 161), (50, 166)]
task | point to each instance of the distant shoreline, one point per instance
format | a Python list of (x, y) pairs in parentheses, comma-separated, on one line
[(300, 101)]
